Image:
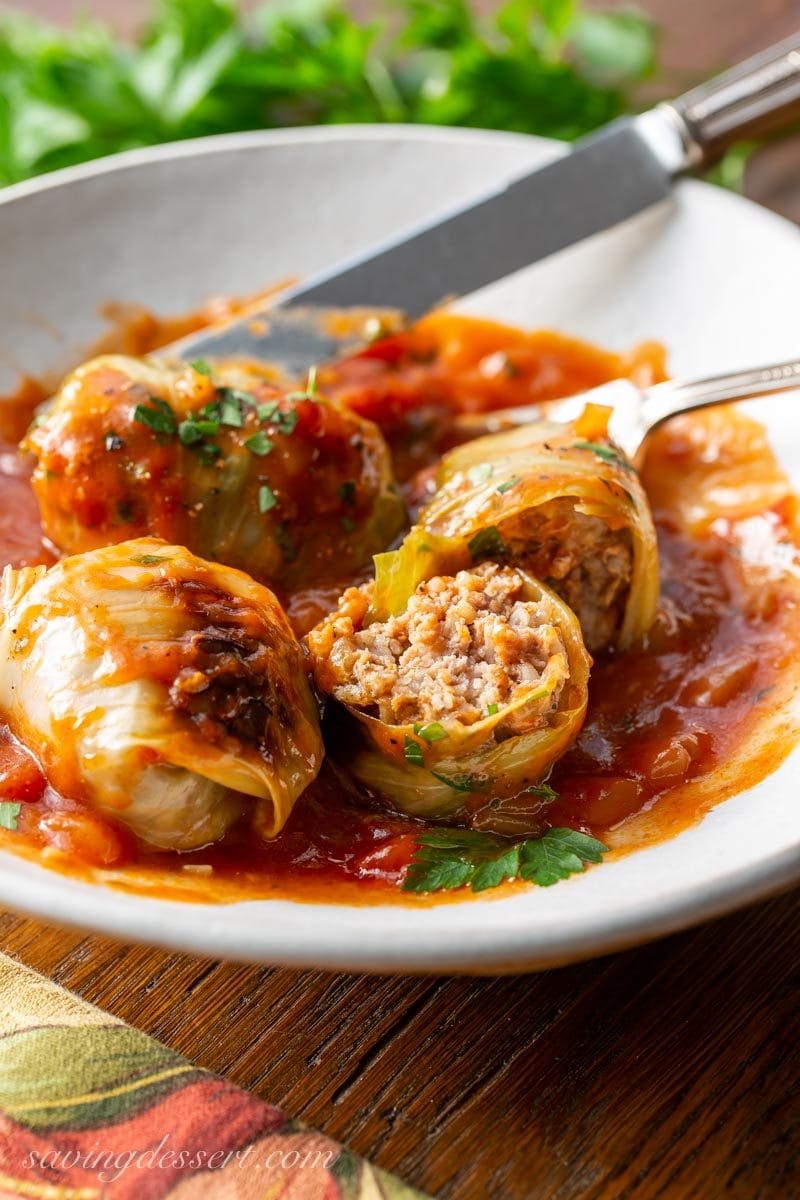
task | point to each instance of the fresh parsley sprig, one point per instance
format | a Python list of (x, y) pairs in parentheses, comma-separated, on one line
[(552, 67), (608, 453), (452, 858)]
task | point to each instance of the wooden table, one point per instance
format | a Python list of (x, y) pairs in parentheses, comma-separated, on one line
[(665, 1073)]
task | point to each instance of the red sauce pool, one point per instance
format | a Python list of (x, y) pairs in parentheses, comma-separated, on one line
[(691, 716)]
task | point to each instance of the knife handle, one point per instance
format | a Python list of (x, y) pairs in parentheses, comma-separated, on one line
[(753, 98)]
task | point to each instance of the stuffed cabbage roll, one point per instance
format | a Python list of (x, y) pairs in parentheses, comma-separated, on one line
[(281, 484), (463, 683), (565, 504), (165, 691)]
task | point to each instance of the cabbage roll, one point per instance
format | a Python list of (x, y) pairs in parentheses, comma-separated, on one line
[(564, 503), (162, 690), (281, 484), (462, 683)]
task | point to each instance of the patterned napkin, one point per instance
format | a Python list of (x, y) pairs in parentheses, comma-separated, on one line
[(91, 1109)]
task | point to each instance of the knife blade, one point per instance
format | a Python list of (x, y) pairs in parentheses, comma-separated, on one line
[(607, 178)]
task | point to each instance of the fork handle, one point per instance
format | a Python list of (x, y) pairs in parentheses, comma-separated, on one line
[(747, 101), (668, 399)]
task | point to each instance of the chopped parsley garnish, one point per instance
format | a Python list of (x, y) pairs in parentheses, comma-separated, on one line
[(544, 790), (113, 442), (311, 389), (201, 366), (502, 488), (287, 421), (349, 525), (194, 429), (453, 858), (259, 444), (157, 415), (434, 731), (208, 454), (267, 500), (492, 710), (347, 492), (9, 814), (230, 410), (607, 453), (149, 560), (462, 783), (487, 543), (413, 752)]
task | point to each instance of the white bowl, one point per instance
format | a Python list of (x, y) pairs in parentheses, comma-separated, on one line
[(708, 273)]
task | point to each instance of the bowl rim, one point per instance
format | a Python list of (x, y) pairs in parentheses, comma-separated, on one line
[(494, 945)]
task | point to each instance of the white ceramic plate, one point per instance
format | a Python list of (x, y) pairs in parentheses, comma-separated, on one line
[(709, 274)]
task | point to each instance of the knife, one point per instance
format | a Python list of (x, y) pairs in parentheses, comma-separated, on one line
[(612, 175)]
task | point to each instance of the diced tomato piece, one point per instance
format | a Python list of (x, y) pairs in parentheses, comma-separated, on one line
[(83, 835), (20, 778)]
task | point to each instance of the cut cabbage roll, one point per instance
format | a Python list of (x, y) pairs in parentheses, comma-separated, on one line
[(165, 691), (281, 484), (463, 684), (565, 504)]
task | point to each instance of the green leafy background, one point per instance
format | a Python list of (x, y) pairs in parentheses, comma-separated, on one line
[(201, 67)]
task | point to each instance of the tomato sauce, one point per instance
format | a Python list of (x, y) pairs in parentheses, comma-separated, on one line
[(696, 713)]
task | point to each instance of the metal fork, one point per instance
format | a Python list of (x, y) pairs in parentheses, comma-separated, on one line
[(638, 411)]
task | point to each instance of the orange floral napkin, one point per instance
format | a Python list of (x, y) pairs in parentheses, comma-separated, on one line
[(91, 1109)]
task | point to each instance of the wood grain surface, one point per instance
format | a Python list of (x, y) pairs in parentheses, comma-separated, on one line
[(669, 1072)]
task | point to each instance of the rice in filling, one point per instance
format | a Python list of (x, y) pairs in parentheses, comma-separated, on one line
[(464, 644), (578, 556)]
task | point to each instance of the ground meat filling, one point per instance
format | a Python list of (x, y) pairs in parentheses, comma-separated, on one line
[(225, 675), (588, 564), (464, 645)]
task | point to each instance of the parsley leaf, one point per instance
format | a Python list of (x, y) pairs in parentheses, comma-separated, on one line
[(287, 421), (607, 453), (451, 858), (462, 783), (208, 454), (201, 366), (259, 444), (267, 500), (231, 410), (487, 543), (558, 854), (413, 752), (194, 429), (434, 731), (157, 415), (311, 389), (211, 66), (502, 488), (544, 790), (9, 814)]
